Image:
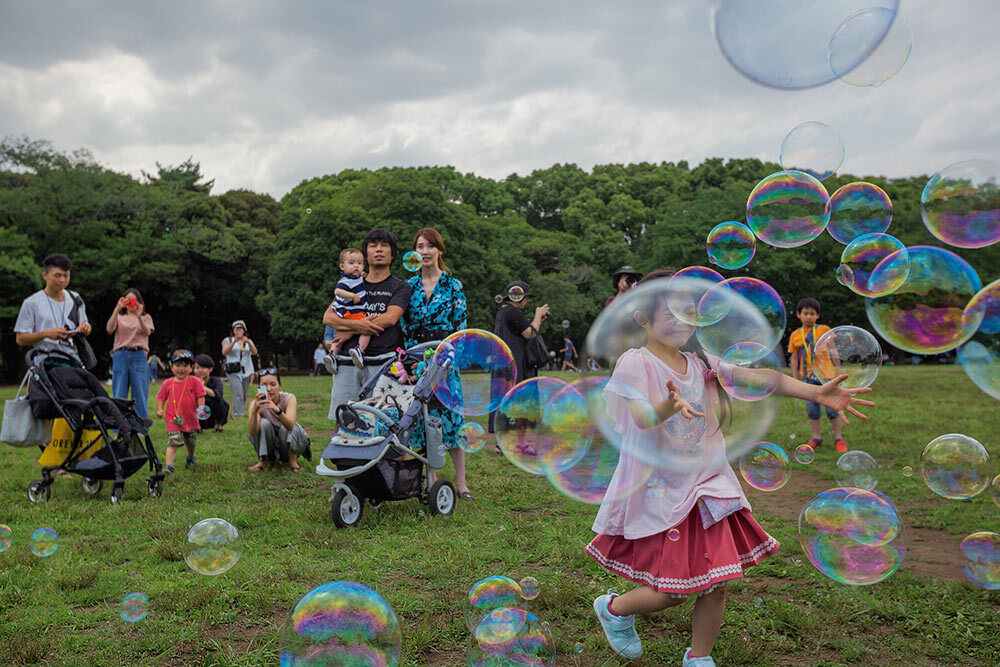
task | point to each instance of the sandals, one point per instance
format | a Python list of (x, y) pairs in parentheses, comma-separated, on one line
[(295, 468), (260, 465), (467, 495)]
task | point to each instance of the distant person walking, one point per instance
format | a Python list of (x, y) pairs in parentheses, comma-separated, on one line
[(155, 366), (238, 351), (318, 355), (569, 353), (131, 326)]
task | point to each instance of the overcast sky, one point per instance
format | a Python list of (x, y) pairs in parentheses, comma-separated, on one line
[(266, 94)]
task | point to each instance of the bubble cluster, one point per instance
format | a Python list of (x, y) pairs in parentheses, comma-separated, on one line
[(955, 466), (5, 534), (804, 454), (980, 356), (44, 542), (776, 46), (481, 372), (961, 204), (857, 469), (740, 310), (864, 255), (517, 422), (924, 315), (471, 437), (511, 636), (857, 209), (341, 623), (853, 536), (529, 588), (203, 412), (982, 559), (813, 147), (884, 60), (133, 607), (765, 467), (749, 371), (849, 350), (490, 593), (788, 209), (213, 546), (730, 245)]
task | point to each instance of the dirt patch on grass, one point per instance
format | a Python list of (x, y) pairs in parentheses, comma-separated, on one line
[(929, 553)]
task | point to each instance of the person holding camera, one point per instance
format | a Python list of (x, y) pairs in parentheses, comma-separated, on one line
[(131, 326), (51, 317), (274, 428), (238, 351), (622, 281)]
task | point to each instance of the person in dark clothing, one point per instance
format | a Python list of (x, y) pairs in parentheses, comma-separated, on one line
[(219, 415)]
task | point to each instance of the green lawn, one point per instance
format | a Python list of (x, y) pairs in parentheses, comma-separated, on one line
[(64, 609)]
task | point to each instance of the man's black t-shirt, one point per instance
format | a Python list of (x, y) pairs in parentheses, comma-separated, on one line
[(509, 326), (379, 296)]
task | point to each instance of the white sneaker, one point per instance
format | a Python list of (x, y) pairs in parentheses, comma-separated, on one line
[(330, 364), (357, 357), (620, 630), (703, 661)]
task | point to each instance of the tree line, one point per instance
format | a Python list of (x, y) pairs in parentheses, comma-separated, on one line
[(203, 260)]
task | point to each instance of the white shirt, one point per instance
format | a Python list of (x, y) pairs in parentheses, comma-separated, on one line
[(40, 312)]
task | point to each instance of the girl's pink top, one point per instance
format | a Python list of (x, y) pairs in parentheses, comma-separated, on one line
[(129, 334), (690, 453)]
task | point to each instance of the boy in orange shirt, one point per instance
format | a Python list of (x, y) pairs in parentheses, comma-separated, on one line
[(801, 347)]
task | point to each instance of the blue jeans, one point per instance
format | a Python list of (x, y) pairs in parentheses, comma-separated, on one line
[(130, 370), (812, 409), (153, 368)]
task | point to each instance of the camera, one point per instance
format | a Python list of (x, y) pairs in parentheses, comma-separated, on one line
[(130, 302)]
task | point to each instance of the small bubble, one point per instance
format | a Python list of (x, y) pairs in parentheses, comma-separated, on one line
[(758, 602), (907, 471), (420, 513), (579, 647), (308, 211), (791, 437), (673, 534), (796, 562)]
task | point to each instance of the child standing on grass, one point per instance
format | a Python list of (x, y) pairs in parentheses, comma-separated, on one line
[(805, 364), (351, 304), (178, 401), (699, 532)]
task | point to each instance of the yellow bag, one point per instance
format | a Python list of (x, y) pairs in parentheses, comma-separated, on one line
[(62, 442)]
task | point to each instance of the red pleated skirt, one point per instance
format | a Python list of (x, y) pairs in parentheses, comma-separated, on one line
[(698, 560)]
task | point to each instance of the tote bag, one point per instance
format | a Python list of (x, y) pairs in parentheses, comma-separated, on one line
[(19, 427)]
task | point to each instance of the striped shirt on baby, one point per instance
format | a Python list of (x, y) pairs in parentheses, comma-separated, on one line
[(356, 286)]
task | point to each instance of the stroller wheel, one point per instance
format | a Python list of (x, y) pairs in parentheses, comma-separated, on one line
[(91, 486), (155, 488), (346, 509), (116, 494), (442, 497), (39, 491)]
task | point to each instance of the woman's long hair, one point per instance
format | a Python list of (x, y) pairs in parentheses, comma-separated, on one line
[(433, 237)]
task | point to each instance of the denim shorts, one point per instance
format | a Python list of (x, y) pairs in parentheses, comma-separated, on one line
[(812, 409)]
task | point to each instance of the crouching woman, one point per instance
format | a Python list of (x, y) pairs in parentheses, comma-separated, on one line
[(275, 432)]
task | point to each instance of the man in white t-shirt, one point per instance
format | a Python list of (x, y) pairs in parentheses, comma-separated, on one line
[(44, 321)]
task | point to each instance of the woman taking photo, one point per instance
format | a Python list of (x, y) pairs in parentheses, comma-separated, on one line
[(130, 371), (238, 351), (437, 308), (275, 432)]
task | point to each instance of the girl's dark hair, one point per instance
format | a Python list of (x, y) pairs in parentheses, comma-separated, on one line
[(692, 344), (138, 297), (204, 361), (433, 237)]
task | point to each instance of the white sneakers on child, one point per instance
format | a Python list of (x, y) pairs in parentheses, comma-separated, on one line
[(330, 364), (703, 661), (620, 630), (357, 357)]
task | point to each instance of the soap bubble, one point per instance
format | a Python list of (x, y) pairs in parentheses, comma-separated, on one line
[(500, 626), (203, 412), (845, 275), (982, 554), (656, 487), (955, 466), (740, 310), (853, 536), (980, 356), (813, 147), (730, 245), (565, 324), (865, 254), (673, 534), (412, 261), (765, 467), (701, 273), (788, 209), (804, 454), (907, 471), (995, 490), (213, 546), (579, 647), (515, 293), (517, 428), (686, 289), (134, 607), (857, 209), (308, 211), (511, 636), (566, 428), (529, 588), (44, 542), (4, 537), (341, 623), (749, 371), (471, 437), (961, 204), (857, 469), (787, 46), (482, 372), (924, 315), (849, 350), (884, 61), (487, 594)]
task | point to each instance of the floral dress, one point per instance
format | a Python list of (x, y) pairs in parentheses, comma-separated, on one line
[(445, 311)]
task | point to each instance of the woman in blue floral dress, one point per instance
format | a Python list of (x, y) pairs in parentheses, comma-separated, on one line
[(437, 308)]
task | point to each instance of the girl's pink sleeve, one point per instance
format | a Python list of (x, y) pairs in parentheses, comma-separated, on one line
[(629, 381)]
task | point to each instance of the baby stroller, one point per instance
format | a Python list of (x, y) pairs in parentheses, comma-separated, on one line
[(370, 452), (60, 387)]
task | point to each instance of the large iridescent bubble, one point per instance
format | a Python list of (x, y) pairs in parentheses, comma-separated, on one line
[(730, 245), (924, 314), (481, 372), (955, 466), (961, 204), (788, 209), (724, 318), (857, 209), (813, 147), (511, 636), (487, 594), (341, 623), (213, 546), (518, 418), (980, 356), (765, 467), (786, 45), (749, 372), (856, 33), (853, 536), (865, 254), (849, 350), (982, 559), (857, 470)]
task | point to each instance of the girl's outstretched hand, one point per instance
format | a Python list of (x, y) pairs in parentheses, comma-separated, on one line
[(681, 405), (833, 396)]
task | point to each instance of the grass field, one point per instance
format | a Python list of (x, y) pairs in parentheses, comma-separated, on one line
[(63, 610)]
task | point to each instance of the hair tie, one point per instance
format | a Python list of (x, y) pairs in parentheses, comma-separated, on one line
[(710, 375)]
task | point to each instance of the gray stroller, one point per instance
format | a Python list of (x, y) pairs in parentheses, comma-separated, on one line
[(369, 456)]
